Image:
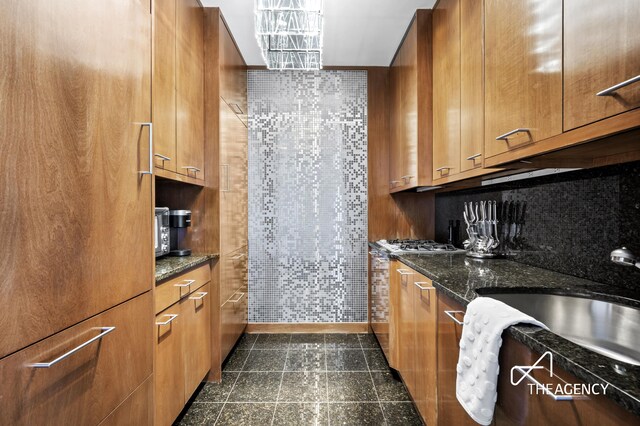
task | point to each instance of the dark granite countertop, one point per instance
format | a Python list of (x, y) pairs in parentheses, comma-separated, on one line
[(168, 266), (460, 277)]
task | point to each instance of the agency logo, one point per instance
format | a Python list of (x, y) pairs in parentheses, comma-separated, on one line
[(557, 388)]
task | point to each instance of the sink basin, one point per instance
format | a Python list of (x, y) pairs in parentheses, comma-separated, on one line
[(608, 328)]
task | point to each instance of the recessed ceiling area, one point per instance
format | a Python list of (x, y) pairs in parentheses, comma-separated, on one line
[(356, 32)]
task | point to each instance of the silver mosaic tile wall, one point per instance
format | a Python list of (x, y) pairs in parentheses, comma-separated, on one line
[(307, 196)]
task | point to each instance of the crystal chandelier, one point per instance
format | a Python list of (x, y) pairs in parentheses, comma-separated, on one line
[(289, 33)]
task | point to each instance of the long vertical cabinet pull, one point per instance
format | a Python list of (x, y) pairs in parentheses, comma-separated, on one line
[(150, 171)]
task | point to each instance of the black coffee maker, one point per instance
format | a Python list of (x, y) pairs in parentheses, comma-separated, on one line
[(179, 221)]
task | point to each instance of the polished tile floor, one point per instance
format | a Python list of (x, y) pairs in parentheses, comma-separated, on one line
[(303, 379)]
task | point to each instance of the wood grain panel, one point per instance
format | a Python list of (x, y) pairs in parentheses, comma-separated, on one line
[(407, 328), (523, 72), (415, 215), (137, 409), (169, 368), (190, 88), (72, 391), (72, 103), (164, 83), (601, 49), (168, 292), (446, 88), (196, 312), (471, 83)]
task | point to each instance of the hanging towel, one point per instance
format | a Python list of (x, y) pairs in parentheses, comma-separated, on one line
[(477, 379)]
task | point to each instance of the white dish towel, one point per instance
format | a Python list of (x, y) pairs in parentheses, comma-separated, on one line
[(478, 368)]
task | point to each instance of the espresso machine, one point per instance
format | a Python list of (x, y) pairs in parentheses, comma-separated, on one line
[(179, 221)]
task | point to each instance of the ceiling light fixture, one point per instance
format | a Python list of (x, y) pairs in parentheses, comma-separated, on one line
[(289, 33)]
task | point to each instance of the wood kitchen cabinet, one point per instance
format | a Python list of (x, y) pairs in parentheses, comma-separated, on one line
[(178, 89), (407, 328), (76, 92), (601, 50), (233, 76), (516, 405), (410, 145), (523, 73), (450, 315), (183, 343)]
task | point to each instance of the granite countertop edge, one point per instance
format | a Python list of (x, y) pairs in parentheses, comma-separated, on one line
[(583, 363), (168, 267)]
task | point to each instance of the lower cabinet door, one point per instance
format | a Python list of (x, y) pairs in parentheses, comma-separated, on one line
[(407, 329), (196, 312), (233, 323), (80, 375), (426, 316), (169, 371), (136, 410)]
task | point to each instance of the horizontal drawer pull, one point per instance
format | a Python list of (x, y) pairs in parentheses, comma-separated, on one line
[(171, 318), (474, 156), (105, 331), (526, 370), (451, 314), (238, 299), (404, 272), (512, 132), (236, 108), (201, 295), (237, 256), (421, 287), (612, 90), (439, 169), (162, 157), (194, 168), (186, 283), (407, 177)]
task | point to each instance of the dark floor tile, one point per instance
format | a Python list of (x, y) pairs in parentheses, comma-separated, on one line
[(307, 341), (334, 341), (401, 414), (246, 341), (258, 387), (301, 414), (272, 341), (235, 361), (356, 414), (204, 413), (305, 360), (217, 392), (265, 361), (368, 341), (376, 360), (389, 388), (246, 414), (346, 360), (346, 386), (304, 387)]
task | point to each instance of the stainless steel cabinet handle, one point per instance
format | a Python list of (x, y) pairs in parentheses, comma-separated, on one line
[(474, 156), (104, 332), (225, 170), (611, 90), (512, 132), (201, 295), (526, 370), (162, 157), (185, 283), (238, 299), (451, 315), (406, 178), (194, 168), (236, 108), (439, 169), (237, 256), (421, 287), (404, 272), (150, 171), (171, 318)]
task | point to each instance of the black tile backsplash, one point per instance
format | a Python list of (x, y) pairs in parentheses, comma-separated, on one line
[(566, 222)]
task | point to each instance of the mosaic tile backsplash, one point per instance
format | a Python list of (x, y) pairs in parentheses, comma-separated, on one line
[(567, 222), (307, 196)]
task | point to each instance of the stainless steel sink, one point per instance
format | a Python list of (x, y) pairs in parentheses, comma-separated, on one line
[(608, 328)]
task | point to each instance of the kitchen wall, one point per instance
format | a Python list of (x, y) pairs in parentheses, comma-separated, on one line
[(307, 196), (567, 222)]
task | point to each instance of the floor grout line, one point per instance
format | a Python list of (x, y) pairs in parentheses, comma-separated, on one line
[(275, 407), (373, 383), (326, 378)]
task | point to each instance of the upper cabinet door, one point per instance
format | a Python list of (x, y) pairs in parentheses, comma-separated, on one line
[(164, 84), (446, 88), (233, 74), (190, 88), (523, 72), (601, 50), (75, 90)]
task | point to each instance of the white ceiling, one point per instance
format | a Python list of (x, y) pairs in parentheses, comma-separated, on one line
[(356, 32)]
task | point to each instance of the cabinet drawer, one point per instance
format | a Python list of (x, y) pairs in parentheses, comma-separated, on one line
[(137, 409), (50, 383), (171, 291)]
